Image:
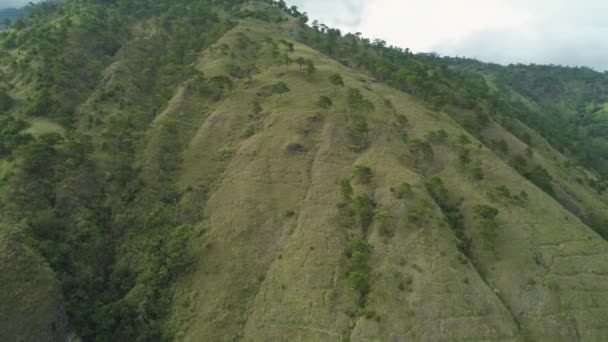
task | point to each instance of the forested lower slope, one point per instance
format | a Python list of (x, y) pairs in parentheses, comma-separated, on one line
[(226, 171)]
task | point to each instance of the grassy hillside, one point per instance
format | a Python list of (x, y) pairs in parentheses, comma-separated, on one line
[(224, 172)]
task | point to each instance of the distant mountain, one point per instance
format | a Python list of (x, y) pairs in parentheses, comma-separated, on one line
[(10, 13)]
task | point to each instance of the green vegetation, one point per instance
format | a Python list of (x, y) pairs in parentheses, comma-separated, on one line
[(280, 88), (455, 219), (420, 150), (402, 191), (324, 102), (535, 173), (336, 79), (420, 212), (438, 136), (363, 174), (358, 253), (485, 222), (357, 102)]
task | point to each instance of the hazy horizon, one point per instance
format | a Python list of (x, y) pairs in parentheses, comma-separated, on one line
[(497, 31)]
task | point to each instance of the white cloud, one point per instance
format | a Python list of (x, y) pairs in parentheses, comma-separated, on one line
[(502, 31)]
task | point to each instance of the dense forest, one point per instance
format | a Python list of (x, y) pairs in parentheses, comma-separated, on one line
[(174, 168)]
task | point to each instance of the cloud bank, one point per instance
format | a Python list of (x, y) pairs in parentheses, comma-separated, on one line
[(502, 31)]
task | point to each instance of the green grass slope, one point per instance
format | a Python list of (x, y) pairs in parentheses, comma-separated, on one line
[(31, 303), (274, 263)]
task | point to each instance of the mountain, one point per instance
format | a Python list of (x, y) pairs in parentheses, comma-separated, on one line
[(227, 171), (11, 14)]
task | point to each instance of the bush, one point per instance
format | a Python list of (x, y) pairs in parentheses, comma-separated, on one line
[(535, 173), (363, 174), (485, 212), (485, 222), (475, 171), (324, 102), (280, 88), (420, 212), (357, 102), (346, 190), (501, 146), (420, 150), (336, 79), (438, 191), (364, 210), (249, 130), (6, 102), (402, 190), (358, 252), (381, 220), (256, 107), (438, 136)]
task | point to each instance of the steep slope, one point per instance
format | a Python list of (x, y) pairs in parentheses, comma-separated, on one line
[(250, 187), (291, 270), (31, 304)]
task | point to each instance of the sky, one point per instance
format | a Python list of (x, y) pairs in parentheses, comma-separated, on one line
[(566, 32), (13, 3)]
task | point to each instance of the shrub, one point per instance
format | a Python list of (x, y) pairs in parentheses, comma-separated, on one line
[(357, 102), (501, 146), (336, 79), (464, 140), (439, 136), (437, 190), (346, 190), (360, 125), (420, 150), (485, 222), (500, 192), (358, 252), (475, 171), (464, 157), (324, 102), (381, 220), (485, 212), (249, 130), (535, 173), (402, 190), (310, 67), (6, 102), (280, 88), (363, 174), (364, 210), (256, 107), (419, 212)]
